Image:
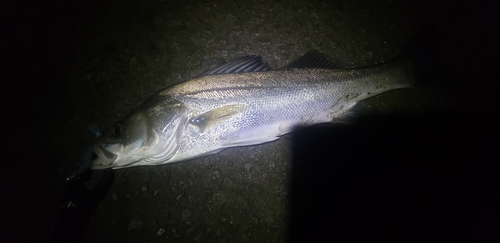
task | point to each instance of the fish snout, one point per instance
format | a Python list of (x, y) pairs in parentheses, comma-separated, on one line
[(104, 159)]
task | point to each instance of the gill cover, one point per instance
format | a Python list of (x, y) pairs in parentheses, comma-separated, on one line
[(168, 117), (147, 136)]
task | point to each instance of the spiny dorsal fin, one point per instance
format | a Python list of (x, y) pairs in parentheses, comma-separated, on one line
[(240, 65), (313, 59), (216, 116)]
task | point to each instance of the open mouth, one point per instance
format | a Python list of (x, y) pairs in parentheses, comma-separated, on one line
[(103, 158)]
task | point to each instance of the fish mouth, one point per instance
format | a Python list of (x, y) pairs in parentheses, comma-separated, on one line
[(104, 158)]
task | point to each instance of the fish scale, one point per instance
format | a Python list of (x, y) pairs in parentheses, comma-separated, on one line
[(209, 113)]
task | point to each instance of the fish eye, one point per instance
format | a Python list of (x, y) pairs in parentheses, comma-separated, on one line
[(117, 130)]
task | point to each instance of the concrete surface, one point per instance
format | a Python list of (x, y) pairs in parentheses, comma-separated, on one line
[(118, 53)]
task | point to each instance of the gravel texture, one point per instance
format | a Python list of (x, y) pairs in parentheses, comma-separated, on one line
[(111, 55), (132, 49)]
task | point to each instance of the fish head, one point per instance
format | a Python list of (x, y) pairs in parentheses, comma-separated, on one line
[(149, 135)]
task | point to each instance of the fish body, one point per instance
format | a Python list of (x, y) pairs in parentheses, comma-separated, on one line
[(225, 109)]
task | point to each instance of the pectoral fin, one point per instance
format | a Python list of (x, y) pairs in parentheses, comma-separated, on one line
[(216, 116)]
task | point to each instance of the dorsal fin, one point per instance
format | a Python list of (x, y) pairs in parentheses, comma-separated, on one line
[(243, 64), (313, 59)]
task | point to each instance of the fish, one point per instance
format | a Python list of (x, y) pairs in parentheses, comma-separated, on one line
[(239, 103)]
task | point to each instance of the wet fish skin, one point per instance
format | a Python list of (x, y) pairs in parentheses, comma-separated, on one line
[(209, 113)]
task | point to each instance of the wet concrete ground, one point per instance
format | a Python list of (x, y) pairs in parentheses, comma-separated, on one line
[(241, 194), (119, 53)]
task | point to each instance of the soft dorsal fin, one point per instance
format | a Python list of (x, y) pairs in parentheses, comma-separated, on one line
[(243, 64), (216, 116), (313, 59)]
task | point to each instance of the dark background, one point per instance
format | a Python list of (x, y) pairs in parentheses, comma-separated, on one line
[(386, 184), (422, 162)]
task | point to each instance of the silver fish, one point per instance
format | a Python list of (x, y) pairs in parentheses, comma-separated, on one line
[(241, 103)]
